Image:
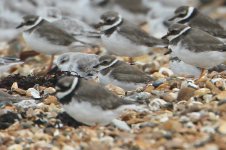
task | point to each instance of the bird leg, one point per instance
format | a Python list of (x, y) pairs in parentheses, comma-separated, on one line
[(203, 73), (50, 64), (95, 126), (130, 60)]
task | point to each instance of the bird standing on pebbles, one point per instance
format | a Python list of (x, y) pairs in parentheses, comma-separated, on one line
[(119, 73), (195, 47), (194, 18), (88, 102), (124, 39), (43, 37)]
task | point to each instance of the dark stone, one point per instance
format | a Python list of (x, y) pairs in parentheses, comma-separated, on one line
[(8, 119)]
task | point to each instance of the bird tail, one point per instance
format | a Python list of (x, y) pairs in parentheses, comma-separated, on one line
[(10, 60)]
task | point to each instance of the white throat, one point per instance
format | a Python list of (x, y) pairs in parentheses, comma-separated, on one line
[(63, 94), (172, 37), (107, 27), (190, 11)]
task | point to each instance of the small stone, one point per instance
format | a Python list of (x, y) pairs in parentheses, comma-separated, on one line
[(34, 93), (208, 129), (185, 94), (49, 90), (221, 95), (189, 83), (213, 88), (156, 104), (210, 147), (222, 127), (194, 116), (222, 106), (201, 92), (219, 83), (180, 106), (169, 97), (27, 104), (140, 96), (208, 98), (149, 88), (14, 86), (172, 125), (15, 147), (158, 75), (166, 71), (115, 89), (51, 100)]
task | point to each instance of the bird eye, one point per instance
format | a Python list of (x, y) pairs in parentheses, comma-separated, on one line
[(64, 60), (30, 22), (105, 62), (174, 31), (108, 20), (182, 14)]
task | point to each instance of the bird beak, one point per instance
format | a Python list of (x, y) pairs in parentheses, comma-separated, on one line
[(54, 69), (96, 66), (98, 25), (171, 19), (165, 36), (19, 26)]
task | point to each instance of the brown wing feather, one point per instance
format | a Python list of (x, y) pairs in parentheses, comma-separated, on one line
[(198, 40), (54, 34), (127, 73), (207, 24), (139, 37), (97, 95)]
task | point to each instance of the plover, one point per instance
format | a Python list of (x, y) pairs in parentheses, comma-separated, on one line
[(88, 102), (133, 10), (194, 18), (80, 63), (119, 73), (79, 29), (43, 37), (195, 47), (124, 39)]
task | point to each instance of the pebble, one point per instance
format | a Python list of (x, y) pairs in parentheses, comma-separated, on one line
[(49, 90), (158, 82), (222, 127), (34, 93), (189, 83), (156, 104), (27, 104), (15, 147), (115, 89), (221, 95), (185, 94), (202, 92), (140, 96), (166, 71), (169, 97)]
